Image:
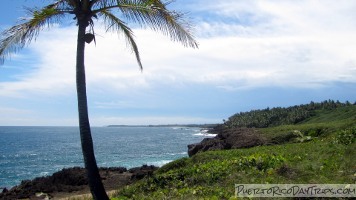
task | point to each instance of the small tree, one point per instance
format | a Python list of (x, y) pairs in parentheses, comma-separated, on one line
[(146, 13)]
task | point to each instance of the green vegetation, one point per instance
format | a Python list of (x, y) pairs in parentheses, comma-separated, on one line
[(319, 149), (284, 116)]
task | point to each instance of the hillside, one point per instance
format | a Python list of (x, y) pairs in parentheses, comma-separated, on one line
[(291, 115), (318, 147)]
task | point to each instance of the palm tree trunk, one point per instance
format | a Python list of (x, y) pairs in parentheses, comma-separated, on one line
[(95, 184)]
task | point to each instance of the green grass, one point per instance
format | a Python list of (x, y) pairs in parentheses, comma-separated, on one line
[(324, 123), (344, 115), (213, 174), (328, 156)]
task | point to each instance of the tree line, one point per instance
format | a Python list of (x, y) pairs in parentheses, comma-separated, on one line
[(270, 117)]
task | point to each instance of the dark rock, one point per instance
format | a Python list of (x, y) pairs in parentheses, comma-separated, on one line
[(193, 149), (228, 139), (207, 144), (74, 177), (66, 180), (139, 173), (114, 169), (4, 190)]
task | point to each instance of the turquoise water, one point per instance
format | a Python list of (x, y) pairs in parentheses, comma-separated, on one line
[(29, 152)]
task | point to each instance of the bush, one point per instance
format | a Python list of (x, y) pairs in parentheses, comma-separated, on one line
[(182, 162), (314, 132), (346, 137)]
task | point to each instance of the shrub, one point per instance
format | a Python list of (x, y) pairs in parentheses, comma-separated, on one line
[(346, 137), (314, 132)]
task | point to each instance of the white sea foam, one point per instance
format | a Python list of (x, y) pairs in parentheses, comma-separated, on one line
[(159, 163), (180, 153), (44, 173), (205, 134)]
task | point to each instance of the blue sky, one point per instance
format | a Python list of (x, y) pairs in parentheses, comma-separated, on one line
[(252, 55)]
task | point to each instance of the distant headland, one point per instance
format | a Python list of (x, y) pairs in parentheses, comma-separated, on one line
[(170, 125)]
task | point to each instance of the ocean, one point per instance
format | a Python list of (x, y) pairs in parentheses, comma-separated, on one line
[(29, 152)]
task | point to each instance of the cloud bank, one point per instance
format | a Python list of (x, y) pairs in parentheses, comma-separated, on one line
[(243, 45)]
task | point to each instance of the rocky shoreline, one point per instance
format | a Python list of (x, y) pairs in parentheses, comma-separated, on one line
[(228, 138), (73, 181)]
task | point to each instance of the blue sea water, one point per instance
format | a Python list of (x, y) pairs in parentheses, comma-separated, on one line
[(29, 152)]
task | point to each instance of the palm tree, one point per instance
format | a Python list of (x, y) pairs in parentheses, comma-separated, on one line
[(146, 13)]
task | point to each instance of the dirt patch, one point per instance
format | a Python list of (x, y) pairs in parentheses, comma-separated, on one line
[(287, 172)]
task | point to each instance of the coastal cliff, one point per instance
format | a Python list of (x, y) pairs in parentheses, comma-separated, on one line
[(228, 138)]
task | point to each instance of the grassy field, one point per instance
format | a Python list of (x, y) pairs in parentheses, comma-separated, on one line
[(323, 151)]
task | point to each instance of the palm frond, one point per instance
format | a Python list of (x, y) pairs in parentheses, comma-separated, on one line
[(63, 5), (18, 36), (153, 14), (114, 24)]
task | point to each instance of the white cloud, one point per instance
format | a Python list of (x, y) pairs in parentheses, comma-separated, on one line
[(116, 105), (13, 111), (28, 117), (243, 45), (296, 43)]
